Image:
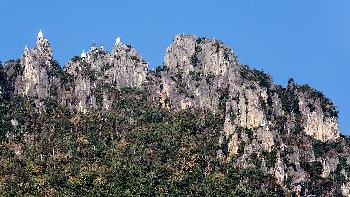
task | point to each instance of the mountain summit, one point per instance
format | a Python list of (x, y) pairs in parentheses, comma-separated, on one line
[(190, 126)]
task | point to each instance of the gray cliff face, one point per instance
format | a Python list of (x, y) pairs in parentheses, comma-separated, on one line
[(40, 77), (197, 72), (99, 71), (279, 130), (319, 114)]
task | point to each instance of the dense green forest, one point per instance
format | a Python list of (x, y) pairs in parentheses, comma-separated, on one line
[(136, 149)]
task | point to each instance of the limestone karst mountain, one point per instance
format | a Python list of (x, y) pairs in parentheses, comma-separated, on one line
[(288, 134)]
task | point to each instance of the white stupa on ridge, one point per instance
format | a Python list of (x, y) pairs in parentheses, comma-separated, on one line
[(117, 40), (40, 34), (93, 46), (83, 54)]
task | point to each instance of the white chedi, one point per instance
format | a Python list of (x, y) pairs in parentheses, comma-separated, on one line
[(117, 40), (40, 34), (93, 46), (83, 54), (26, 51)]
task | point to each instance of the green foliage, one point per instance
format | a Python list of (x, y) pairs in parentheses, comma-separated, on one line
[(197, 48), (344, 165), (241, 147), (194, 60), (134, 150), (75, 59), (200, 40), (224, 145), (2, 77), (233, 116), (224, 95), (183, 89), (327, 106), (153, 116), (320, 148), (347, 140), (158, 70), (270, 157), (280, 123), (209, 78), (290, 101), (196, 76), (254, 158), (106, 66), (313, 168), (311, 107), (338, 174), (255, 75), (10, 72), (247, 131), (298, 128)]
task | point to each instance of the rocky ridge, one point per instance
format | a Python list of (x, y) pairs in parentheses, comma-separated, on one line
[(283, 128)]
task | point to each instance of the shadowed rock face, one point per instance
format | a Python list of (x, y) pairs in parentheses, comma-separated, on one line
[(261, 119)]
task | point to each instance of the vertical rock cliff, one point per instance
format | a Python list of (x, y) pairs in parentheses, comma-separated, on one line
[(41, 73)]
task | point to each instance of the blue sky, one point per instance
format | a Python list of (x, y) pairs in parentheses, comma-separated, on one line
[(307, 40)]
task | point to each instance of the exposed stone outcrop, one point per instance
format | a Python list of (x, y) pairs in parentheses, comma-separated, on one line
[(85, 83), (251, 114), (329, 165), (321, 121), (40, 77), (346, 189), (279, 170), (196, 72), (123, 67)]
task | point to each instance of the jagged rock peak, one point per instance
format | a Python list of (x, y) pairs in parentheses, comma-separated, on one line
[(123, 66), (195, 69), (121, 49), (39, 70), (43, 47), (97, 69), (188, 52)]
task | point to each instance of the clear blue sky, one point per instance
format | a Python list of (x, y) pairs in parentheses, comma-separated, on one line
[(307, 40)]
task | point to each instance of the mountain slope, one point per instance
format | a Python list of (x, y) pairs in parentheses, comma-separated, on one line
[(202, 124)]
